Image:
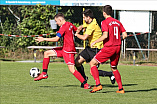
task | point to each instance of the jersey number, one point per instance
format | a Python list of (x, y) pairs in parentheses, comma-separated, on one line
[(70, 29), (116, 32)]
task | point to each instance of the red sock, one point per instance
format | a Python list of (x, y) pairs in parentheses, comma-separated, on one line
[(118, 78), (78, 76), (45, 65), (95, 74)]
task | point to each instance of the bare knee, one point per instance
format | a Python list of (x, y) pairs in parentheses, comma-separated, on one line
[(79, 60), (113, 69), (93, 62), (71, 68), (49, 53), (77, 64), (46, 54)]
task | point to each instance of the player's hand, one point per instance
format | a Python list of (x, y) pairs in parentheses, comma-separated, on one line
[(39, 39), (92, 44), (76, 34)]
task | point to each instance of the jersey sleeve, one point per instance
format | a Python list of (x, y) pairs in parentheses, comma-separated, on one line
[(61, 32), (75, 28), (122, 28), (89, 29), (104, 26)]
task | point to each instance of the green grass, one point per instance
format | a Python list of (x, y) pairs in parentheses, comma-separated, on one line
[(17, 87)]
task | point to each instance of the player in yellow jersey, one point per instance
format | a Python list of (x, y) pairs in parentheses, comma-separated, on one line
[(92, 33)]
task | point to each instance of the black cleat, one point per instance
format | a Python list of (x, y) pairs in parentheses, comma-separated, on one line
[(82, 84), (112, 78)]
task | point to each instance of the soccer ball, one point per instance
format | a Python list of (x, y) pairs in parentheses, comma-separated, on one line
[(34, 72)]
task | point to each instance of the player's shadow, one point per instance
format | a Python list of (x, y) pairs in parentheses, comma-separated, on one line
[(131, 91), (153, 89), (146, 90), (104, 85), (59, 86), (112, 85), (71, 86), (49, 86)]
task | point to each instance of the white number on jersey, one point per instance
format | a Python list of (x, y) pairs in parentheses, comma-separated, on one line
[(116, 32), (70, 27)]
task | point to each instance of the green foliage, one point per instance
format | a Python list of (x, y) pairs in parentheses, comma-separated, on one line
[(34, 20)]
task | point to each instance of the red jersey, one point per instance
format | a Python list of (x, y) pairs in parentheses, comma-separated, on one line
[(114, 29), (67, 32)]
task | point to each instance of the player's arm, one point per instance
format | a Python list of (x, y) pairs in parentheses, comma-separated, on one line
[(124, 35), (79, 29), (41, 39), (103, 37), (82, 37)]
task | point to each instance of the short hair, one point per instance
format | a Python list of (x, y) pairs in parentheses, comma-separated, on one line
[(59, 15), (89, 13), (107, 9)]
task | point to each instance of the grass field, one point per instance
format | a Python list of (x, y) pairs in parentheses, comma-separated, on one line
[(17, 87)]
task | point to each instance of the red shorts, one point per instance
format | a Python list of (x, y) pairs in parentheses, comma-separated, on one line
[(68, 56), (106, 53)]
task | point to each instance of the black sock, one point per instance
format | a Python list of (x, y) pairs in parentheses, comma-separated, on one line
[(121, 89), (81, 71), (98, 85), (45, 70), (104, 73)]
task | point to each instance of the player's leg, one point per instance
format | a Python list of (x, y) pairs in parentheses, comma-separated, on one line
[(95, 74), (78, 64), (46, 60), (101, 57), (92, 52), (82, 57), (114, 62), (78, 76), (69, 60), (118, 80), (107, 74), (104, 73)]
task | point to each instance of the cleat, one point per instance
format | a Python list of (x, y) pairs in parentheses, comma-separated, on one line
[(82, 84), (96, 88), (112, 78), (87, 86), (41, 76), (122, 91)]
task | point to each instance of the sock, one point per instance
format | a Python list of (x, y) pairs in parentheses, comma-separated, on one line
[(78, 76), (45, 65), (104, 73), (118, 78), (81, 71), (95, 74)]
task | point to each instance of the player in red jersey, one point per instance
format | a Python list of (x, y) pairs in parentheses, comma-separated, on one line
[(111, 29), (68, 51)]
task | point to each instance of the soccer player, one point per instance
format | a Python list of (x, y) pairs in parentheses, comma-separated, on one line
[(111, 29), (68, 51), (92, 33)]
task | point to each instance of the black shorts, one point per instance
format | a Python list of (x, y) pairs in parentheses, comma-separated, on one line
[(88, 53)]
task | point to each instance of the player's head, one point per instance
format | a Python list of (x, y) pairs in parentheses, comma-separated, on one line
[(87, 15), (107, 10), (59, 18)]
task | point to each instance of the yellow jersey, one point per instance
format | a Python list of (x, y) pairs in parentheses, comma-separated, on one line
[(94, 32)]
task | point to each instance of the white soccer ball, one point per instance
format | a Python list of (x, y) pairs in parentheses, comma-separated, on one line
[(34, 72)]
